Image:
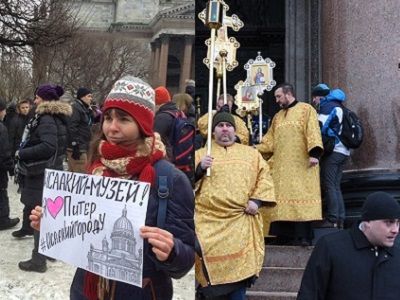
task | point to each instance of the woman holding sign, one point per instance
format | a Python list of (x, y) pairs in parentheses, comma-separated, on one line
[(43, 146), (128, 148)]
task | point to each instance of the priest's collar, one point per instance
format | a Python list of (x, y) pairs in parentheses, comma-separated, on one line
[(291, 104)]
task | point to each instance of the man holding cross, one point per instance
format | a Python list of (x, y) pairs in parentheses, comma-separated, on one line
[(228, 224)]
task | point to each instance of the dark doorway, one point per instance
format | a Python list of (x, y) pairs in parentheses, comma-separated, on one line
[(173, 75), (264, 30)]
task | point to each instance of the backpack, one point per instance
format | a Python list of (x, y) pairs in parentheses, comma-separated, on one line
[(181, 140), (352, 129), (164, 185)]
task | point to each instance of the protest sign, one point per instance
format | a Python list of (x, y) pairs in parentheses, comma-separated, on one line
[(92, 222)]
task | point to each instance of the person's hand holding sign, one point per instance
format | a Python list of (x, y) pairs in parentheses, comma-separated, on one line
[(161, 240), (36, 215)]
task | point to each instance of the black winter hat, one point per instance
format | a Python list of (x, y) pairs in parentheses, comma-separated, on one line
[(3, 105), (380, 206), (321, 90), (223, 117), (82, 92)]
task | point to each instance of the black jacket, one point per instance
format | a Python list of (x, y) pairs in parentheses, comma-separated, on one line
[(15, 131), (47, 133), (79, 126), (164, 123), (345, 266), (6, 161)]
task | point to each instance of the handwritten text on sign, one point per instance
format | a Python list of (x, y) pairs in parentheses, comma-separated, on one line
[(92, 222)]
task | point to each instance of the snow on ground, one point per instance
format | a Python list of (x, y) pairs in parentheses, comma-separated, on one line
[(54, 284)]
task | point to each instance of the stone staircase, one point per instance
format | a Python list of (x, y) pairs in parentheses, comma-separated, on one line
[(281, 275)]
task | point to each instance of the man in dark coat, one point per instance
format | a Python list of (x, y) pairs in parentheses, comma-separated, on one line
[(361, 263), (6, 165), (17, 124), (79, 131)]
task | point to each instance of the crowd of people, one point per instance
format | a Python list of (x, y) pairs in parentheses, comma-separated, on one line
[(225, 203)]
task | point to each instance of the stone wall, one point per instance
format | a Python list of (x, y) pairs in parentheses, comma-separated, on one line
[(360, 54), (138, 11), (98, 15)]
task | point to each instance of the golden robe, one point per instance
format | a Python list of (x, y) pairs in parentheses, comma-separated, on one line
[(241, 130), (292, 134), (231, 241)]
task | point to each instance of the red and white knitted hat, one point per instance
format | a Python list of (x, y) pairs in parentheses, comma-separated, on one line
[(135, 97)]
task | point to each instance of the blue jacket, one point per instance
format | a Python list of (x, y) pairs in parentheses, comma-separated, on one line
[(331, 117)]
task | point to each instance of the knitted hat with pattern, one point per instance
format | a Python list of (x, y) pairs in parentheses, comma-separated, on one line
[(136, 98)]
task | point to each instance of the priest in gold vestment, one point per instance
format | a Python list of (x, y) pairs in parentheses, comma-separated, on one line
[(293, 144), (240, 128), (228, 224)]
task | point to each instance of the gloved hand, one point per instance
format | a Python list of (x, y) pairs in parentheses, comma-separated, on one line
[(75, 152), (252, 208), (11, 171), (206, 162)]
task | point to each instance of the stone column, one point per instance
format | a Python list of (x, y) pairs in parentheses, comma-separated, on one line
[(163, 64), (302, 58), (186, 62), (296, 47), (361, 55), (155, 63), (152, 60)]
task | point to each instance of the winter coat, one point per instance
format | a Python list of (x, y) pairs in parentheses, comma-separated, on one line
[(6, 162), (345, 266), (179, 221), (15, 131), (46, 137), (330, 116), (164, 124), (79, 126)]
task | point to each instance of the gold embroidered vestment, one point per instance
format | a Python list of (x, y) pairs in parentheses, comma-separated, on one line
[(232, 241)]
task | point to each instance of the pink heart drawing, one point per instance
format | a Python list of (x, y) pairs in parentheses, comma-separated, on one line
[(55, 206)]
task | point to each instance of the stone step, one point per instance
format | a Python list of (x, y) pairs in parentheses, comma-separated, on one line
[(254, 295), (286, 256), (277, 279)]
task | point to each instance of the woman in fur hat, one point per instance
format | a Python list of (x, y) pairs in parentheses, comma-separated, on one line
[(44, 139), (128, 148)]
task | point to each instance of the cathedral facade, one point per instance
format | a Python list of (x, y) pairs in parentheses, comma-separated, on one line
[(167, 26), (121, 259)]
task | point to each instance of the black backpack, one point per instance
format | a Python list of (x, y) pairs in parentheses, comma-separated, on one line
[(165, 187), (352, 129), (181, 140)]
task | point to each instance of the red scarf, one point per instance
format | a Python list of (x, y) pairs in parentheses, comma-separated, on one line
[(116, 161)]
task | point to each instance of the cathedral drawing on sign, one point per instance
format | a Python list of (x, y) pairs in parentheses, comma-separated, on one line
[(166, 26), (121, 260)]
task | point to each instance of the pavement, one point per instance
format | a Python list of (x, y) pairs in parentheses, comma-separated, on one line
[(54, 284)]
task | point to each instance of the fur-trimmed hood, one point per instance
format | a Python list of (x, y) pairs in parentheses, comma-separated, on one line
[(54, 108)]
